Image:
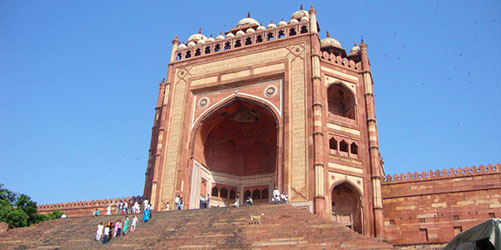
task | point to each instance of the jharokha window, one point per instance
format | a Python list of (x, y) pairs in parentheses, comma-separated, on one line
[(341, 101)]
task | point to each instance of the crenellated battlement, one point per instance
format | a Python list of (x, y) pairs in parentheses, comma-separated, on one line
[(239, 41), (84, 204), (341, 61), (443, 174)]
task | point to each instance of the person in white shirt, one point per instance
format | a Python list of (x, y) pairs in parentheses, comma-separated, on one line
[(63, 216), (108, 210), (99, 232), (276, 195), (106, 235), (145, 204), (176, 203), (283, 198), (136, 208), (167, 207)]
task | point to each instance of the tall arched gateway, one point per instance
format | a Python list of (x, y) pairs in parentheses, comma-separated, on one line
[(258, 107), (235, 151)]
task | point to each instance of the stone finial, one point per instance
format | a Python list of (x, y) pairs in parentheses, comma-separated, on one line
[(355, 44), (200, 30), (328, 35), (313, 10), (163, 79), (248, 14), (176, 40), (271, 21), (301, 7)]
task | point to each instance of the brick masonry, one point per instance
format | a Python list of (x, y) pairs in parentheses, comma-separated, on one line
[(432, 207)]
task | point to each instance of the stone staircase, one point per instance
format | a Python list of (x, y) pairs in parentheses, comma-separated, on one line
[(282, 227)]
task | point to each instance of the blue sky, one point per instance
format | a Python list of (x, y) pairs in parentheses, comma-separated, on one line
[(79, 82)]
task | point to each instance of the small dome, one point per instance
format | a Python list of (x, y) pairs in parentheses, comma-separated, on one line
[(240, 32), (197, 37), (282, 23), (250, 30), (271, 25), (355, 49), (191, 43), (182, 46), (305, 19), (293, 21), (230, 35), (220, 37), (261, 27), (210, 39), (200, 41), (330, 41), (246, 21), (300, 13)]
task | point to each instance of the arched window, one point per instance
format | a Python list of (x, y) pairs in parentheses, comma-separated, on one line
[(256, 194), (227, 46), (333, 144), (207, 50), (248, 41), (354, 148), (215, 192), (217, 48), (238, 44), (264, 193), (281, 34), (247, 194), (178, 57), (304, 29), (269, 37), (197, 52), (341, 101), (232, 194), (224, 193), (259, 38), (292, 32), (188, 54), (343, 147)]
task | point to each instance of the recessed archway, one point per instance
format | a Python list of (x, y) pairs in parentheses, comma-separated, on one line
[(341, 101), (238, 143), (346, 206)]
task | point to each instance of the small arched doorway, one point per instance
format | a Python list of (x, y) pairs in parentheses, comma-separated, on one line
[(341, 101), (236, 151), (346, 206)]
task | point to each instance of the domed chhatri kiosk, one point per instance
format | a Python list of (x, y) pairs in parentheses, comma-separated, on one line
[(265, 106)]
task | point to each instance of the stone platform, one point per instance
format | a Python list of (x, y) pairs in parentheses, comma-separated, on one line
[(282, 227)]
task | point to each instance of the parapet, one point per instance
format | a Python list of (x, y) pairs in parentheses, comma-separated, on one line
[(443, 174), (84, 204)]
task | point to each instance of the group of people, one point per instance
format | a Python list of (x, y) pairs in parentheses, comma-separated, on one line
[(115, 229), (279, 197), (178, 204), (204, 202)]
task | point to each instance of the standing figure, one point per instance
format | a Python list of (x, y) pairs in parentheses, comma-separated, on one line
[(207, 201), (181, 203), (145, 204), (135, 208), (134, 223), (99, 232), (126, 225), (106, 235), (108, 210), (176, 203), (118, 228), (167, 207), (146, 215), (126, 207), (202, 201)]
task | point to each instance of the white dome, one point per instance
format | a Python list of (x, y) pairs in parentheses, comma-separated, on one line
[(246, 21), (355, 49), (239, 33), (197, 37), (282, 23), (300, 14), (305, 19), (230, 35), (210, 39), (330, 41), (293, 21), (191, 43), (182, 46), (220, 37), (250, 30), (261, 27), (200, 41), (271, 25)]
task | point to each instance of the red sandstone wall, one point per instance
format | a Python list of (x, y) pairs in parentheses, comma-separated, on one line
[(432, 207), (83, 208)]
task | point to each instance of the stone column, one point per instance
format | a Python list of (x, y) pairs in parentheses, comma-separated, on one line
[(318, 134), (376, 171)]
